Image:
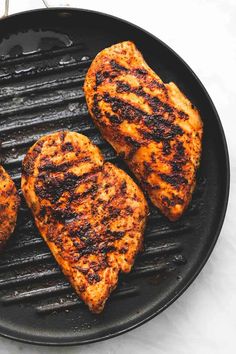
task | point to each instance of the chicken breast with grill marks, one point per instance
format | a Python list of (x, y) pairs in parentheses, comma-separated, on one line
[(91, 214), (150, 124), (9, 203)]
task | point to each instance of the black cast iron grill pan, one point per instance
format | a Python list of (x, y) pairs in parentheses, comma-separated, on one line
[(44, 56)]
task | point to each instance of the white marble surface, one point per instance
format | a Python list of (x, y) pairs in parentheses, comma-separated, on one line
[(203, 320)]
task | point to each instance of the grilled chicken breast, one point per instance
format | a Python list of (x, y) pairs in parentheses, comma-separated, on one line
[(90, 213), (152, 125), (9, 202)]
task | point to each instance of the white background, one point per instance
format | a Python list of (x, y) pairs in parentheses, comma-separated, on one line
[(203, 320)]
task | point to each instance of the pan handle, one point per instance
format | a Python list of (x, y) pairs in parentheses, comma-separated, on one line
[(5, 9), (58, 3)]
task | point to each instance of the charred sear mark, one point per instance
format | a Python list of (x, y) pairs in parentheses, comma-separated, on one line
[(63, 215), (179, 158), (173, 201), (67, 147), (52, 187), (140, 72), (154, 84), (95, 108), (106, 248), (82, 231), (176, 166), (166, 148), (123, 187), (183, 115), (159, 127), (153, 157), (154, 102), (116, 66), (180, 151), (93, 278), (122, 87), (124, 109), (113, 118), (87, 242), (161, 130), (89, 191), (117, 235), (48, 166), (112, 214), (175, 180), (101, 76)]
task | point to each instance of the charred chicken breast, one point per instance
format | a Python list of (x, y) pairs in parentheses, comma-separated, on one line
[(151, 124), (90, 213), (9, 202)]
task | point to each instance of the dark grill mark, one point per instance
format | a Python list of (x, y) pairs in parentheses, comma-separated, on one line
[(116, 66), (101, 76), (93, 278), (123, 187), (52, 187), (140, 72), (179, 150), (48, 166), (113, 118), (96, 109), (176, 166), (107, 248), (173, 201), (175, 180), (160, 128), (122, 87), (67, 147), (63, 215), (166, 147), (162, 131), (81, 231), (154, 102), (183, 115), (113, 212), (90, 191), (155, 84), (116, 234), (125, 110)]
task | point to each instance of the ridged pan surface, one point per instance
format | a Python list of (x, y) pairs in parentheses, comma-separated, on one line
[(44, 56)]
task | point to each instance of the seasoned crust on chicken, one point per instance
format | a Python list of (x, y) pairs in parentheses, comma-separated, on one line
[(90, 213), (9, 203), (150, 124)]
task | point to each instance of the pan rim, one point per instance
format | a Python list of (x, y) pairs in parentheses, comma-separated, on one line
[(202, 263)]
